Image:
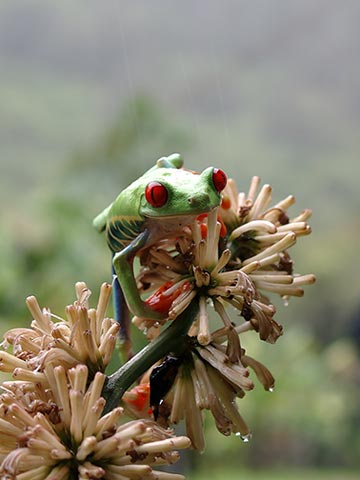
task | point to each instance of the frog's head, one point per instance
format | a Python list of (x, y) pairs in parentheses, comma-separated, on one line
[(172, 191)]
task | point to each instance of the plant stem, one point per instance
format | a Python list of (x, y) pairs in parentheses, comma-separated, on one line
[(170, 340)]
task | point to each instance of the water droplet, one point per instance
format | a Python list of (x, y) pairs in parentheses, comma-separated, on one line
[(245, 438), (209, 301), (271, 389), (286, 300)]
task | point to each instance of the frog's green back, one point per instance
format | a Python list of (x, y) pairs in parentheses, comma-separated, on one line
[(162, 194), (174, 160), (99, 222), (125, 208)]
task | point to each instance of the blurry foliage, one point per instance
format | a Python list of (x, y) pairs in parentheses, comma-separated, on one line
[(221, 472), (311, 418), (54, 245), (137, 136)]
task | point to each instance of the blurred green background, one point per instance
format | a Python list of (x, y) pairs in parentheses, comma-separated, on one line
[(92, 93)]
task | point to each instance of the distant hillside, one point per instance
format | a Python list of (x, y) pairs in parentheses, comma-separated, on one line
[(279, 75)]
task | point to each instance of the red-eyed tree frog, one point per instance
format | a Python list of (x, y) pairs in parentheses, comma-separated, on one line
[(159, 203)]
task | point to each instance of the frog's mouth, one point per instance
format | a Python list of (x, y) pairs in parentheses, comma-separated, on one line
[(184, 218), (171, 224)]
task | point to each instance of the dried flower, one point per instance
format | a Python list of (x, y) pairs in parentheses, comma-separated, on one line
[(233, 256), (207, 379), (233, 265), (59, 433), (193, 268), (85, 336), (52, 421)]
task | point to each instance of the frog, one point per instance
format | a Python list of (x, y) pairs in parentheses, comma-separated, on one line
[(160, 203)]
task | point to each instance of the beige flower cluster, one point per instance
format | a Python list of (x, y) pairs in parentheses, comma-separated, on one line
[(233, 257), (54, 418), (52, 421), (84, 336), (207, 380)]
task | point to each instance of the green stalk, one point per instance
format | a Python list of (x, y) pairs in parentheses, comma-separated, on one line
[(170, 340)]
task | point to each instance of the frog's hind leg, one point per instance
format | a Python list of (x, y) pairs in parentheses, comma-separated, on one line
[(122, 316)]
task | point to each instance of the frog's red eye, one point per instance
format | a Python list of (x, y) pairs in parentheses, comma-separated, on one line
[(156, 194), (219, 179)]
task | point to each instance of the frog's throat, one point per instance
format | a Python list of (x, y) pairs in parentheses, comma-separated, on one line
[(178, 216)]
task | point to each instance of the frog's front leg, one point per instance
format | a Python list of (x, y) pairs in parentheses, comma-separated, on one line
[(123, 265)]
